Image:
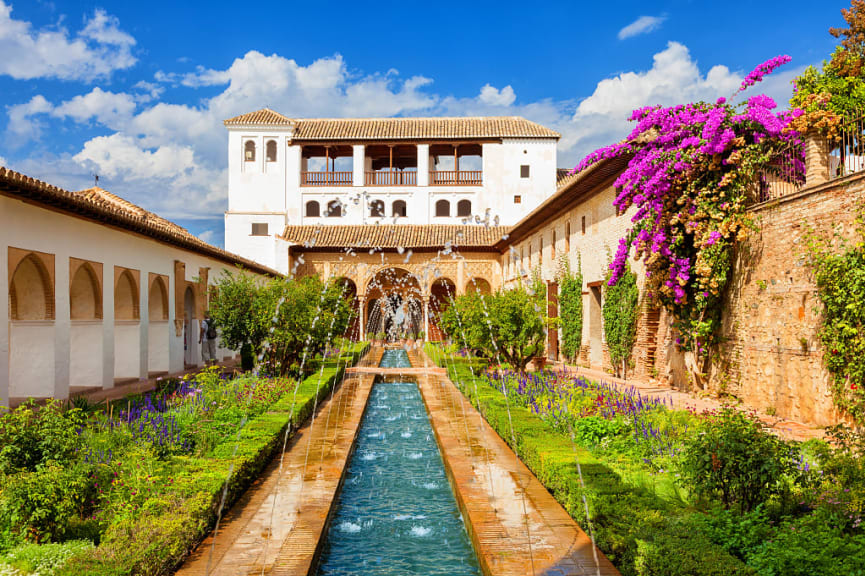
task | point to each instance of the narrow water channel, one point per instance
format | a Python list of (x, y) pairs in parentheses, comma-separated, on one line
[(396, 513)]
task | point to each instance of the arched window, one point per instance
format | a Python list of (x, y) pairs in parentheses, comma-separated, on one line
[(443, 208), (270, 151), (85, 298), (376, 209), (31, 294), (568, 237), (126, 297), (464, 208), (334, 209), (249, 151), (399, 208), (312, 209)]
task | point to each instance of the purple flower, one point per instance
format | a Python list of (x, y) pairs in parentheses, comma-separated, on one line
[(764, 69)]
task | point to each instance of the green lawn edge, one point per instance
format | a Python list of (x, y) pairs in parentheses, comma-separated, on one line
[(166, 532), (641, 534)]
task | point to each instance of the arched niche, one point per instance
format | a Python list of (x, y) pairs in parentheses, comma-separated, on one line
[(31, 286), (478, 285), (157, 301), (126, 295), (85, 291)]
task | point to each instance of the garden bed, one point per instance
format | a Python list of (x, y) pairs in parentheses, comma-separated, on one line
[(143, 480), (644, 517)]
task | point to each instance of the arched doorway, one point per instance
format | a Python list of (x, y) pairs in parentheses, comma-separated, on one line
[(190, 329), (442, 291), (159, 332), (349, 292), (31, 324), (479, 285), (86, 333), (395, 305)]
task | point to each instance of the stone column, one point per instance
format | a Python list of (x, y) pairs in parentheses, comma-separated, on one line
[(361, 304), (108, 324), (4, 320), (358, 165), (144, 326), (461, 277), (426, 318), (817, 168), (423, 164)]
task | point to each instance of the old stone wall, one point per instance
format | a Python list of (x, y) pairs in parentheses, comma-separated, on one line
[(771, 357)]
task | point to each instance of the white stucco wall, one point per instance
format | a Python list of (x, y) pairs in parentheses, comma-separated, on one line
[(44, 358)]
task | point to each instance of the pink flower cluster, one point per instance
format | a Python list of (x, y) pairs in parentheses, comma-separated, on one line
[(764, 69)]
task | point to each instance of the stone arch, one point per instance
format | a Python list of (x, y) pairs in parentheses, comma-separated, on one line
[(85, 294), (478, 285), (31, 290), (395, 301), (441, 292), (126, 297), (157, 301)]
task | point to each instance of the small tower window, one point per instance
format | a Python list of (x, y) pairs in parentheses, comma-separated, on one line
[(399, 208), (443, 209), (464, 208), (270, 152), (376, 209), (313, 210), (334, 209), (583, 223), (518, 199), (524, 171), (259, 228), (249, 151)]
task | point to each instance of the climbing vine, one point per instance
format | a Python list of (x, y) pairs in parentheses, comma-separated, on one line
[(571, 307), (692, 170), (840, 279), (621, 308)]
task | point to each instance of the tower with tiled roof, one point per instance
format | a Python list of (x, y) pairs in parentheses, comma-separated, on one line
[(355, 171)]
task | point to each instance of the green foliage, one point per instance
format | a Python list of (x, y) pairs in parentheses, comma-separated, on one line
[(31, 436), (282, 319), (740, 533), (38, 506), (839, 273), (736, 459), (509, 325), (42, 559), (592, 430), (571, 308), (621, 309)]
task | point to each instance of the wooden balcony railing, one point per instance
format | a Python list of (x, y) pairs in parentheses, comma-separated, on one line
[(456, 177), (391, 178), (326, 178)]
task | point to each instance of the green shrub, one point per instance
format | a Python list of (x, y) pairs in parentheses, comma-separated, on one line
[(738, 533), (43, 559), (735, 458), (39, 505), (31, 435), (592, 429)]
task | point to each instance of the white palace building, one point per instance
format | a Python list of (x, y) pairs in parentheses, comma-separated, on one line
[(407, 171)]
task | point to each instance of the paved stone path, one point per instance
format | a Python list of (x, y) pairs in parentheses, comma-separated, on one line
[(516, 525), (275, 528)]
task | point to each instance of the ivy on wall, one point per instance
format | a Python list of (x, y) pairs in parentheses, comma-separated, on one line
[(571, 307), (620, 310), (840, 279)]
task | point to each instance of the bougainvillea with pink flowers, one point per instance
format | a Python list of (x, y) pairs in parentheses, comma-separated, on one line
[(693, 169)]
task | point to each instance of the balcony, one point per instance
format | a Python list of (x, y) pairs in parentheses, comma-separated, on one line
[(328, 178), (391, 178), (456, 177)]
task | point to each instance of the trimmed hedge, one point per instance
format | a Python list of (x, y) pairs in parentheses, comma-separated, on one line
[(641, 534), (170, 526)]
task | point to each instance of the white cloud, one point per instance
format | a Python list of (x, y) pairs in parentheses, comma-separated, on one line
[(171, 158), (495, 97), (100, 48), (642, 25), (21, 126), (209, 236)]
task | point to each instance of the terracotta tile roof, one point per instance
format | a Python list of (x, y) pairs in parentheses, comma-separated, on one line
[(563, 176), (103, 207), (395, 236), (263, 117), (441, 128)]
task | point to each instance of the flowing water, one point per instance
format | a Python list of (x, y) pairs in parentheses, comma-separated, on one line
[(396, 513)]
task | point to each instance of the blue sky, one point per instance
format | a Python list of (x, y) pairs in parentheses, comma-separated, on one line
[(136, 91)]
